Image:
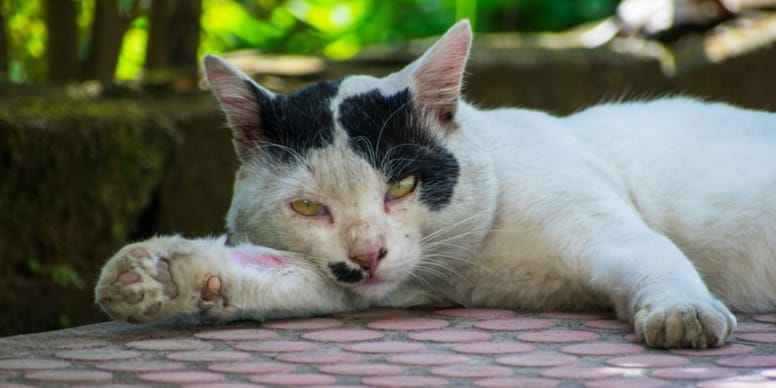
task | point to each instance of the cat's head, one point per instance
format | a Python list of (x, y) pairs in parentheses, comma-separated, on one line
[(349, 172)]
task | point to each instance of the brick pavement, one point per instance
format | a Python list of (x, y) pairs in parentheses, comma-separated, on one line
[(386, 347)]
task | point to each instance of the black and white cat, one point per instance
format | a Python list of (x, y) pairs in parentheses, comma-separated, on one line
[(393, 191)]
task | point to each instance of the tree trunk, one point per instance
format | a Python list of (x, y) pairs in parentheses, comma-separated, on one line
[(110, 24), (173, 36), (62, 45)]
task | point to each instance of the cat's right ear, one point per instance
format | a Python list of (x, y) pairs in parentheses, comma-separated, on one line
[(242, 100)]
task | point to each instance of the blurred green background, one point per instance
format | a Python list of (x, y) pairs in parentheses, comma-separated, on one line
[(336, 29)]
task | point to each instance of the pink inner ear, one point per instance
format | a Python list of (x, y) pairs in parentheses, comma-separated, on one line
[(256, 259), (437, 82)]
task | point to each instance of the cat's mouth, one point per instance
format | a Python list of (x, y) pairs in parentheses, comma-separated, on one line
[(346, 274)]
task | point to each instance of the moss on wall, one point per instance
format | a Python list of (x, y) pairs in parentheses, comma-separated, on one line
[(75, 176)]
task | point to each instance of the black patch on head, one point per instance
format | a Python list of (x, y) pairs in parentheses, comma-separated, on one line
[(346, 274), (389, 132), (302, 121)]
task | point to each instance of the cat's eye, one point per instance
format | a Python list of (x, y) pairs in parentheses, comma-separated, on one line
[(308, 208), (402, 187)]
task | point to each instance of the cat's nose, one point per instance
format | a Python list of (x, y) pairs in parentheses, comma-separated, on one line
[(369, 260)]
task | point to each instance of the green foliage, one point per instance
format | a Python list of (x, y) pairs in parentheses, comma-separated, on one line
[(59, 274), (26, 39), (337, 29)]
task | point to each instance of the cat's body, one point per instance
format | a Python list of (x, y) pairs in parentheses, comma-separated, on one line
[(395, 192)]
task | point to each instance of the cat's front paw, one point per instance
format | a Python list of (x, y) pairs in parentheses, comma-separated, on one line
[(146, 281), (696, 324)]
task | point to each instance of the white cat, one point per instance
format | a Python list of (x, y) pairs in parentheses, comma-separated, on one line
[(393, 191)]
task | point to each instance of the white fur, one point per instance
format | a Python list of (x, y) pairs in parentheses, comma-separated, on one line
[(664, 210)]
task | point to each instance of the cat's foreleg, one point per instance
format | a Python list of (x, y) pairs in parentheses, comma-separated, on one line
[(204, 279), (655, 286)]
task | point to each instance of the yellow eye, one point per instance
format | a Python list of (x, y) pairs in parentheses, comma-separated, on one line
[(307, 208), (402, 187)]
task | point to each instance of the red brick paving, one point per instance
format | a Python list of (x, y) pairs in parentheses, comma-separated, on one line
[(386, 347)]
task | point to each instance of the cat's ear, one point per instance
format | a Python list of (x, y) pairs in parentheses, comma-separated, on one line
[(436, 77), (242, 100)]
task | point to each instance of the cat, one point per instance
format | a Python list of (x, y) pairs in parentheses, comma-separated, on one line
[(394, 192)]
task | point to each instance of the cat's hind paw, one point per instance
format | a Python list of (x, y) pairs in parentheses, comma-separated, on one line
[(684, 325), (135, 285)]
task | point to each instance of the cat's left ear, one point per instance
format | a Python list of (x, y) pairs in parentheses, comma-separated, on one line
[(436, 77)]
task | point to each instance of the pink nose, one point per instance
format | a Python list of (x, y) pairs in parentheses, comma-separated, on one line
[(368, 260)]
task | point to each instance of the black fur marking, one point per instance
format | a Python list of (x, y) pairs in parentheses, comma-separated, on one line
[(346, 274), (403, 146), (302, 121)]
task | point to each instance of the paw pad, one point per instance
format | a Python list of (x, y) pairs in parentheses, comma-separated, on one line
[(128, 278), (139, 253), (212, 288)]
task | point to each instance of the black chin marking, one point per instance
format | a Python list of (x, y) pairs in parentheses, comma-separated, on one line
[(345, 274), (405, 145)]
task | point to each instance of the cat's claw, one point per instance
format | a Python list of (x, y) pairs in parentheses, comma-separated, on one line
[(684, 325)]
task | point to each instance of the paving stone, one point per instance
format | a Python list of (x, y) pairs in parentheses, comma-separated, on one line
[(765, 318), (753, 327), (602, 349), (69, 376), (768, 338), (535, 382), (223, 385), (492, 348), (748, 361), (581, 316), (693, 373), (304, 324), (181, 377), (408, 324), (169, 344), (648, 361), (98, 354), (427, 359), (253, 368), (385, 347), (343, 335), (451, 335), (721, 351), (209, 356), (583, 372), (630, 382), (362, 369), (140, 366), (537, 360), (471, 371), (521, 323), (738, 382), (32, 364), (557, 336), (237, 334), (294, 379), (610, 324), (327, 357), (374, 313), (276, 346), (406, 381), (475, 313)]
